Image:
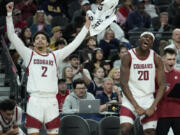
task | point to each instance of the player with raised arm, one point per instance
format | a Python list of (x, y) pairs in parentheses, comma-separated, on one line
[(138, 71), (42, 106)]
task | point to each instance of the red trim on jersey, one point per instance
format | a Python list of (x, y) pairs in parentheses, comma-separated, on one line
[(32, 122), (139, 57), (130, 59), (126, 112), (42, 54), (154, 117), (27, 68), (55, 62), (55, 123)]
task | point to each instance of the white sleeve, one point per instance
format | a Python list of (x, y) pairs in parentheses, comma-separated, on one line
[(19, 116), (66, 51), (23, 51)]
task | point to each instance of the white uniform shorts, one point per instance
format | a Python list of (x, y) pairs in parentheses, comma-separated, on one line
[(42, 110), (128, 113)]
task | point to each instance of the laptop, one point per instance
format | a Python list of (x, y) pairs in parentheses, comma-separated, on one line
[(175, 92), (89, 106)]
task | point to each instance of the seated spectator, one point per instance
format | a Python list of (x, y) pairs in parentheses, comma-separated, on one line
[(138, 18), (10, 118), (85, 6), (87, 52), (52, 8), (106, 65), (94, 86), (26, 36), (74, 61), (121, 51), (73, 6), (169, 107), (97, 58), (124, 10), (109, 100), (67, 74), (150, 9), (63, 92), (71, 103), (175, 44), (27, 7), (108, 43), (40, 23), (162, 25), (174, 13), (56, 35)]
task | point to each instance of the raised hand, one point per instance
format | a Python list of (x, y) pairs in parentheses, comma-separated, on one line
[(88, 22), (10, 6)]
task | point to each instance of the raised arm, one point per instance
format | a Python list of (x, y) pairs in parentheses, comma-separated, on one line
[(66, 51), (124, 75), (24, 52), (161, 83)]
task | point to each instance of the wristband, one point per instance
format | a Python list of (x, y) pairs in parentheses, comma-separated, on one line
[(9, 14)]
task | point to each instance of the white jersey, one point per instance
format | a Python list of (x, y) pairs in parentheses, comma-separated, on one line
[(42, 74), (142, 74), (17, 117)]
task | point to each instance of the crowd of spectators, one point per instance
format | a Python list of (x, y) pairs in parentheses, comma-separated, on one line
[(97, 61)]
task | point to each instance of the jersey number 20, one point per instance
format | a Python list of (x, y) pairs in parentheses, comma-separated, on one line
[(143, 75)]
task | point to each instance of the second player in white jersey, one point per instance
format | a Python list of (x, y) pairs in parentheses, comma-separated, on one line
[(142, 74)]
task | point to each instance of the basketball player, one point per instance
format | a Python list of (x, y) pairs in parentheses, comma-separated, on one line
[(42, 106), (10, 118), (138, 70)]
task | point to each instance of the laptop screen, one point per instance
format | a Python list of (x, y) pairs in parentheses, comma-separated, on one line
[(89, 106)]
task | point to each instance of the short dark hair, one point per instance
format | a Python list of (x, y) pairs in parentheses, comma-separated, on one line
[(73, 56), (7, 104), (61, 81), (43, 33), (60, 41), (170, 51), (121, 46), (78, 81)]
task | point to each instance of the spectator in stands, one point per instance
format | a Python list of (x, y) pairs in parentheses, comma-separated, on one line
[(63, 92), (169, 107), (73, 6), (108, 43), (139, 18), (67, 74), (85, 6), (106, 65), (97, 58), (71, 103), (18, 22), (121, 51), (175, 44), (40, 23), (87, 52), (26, 36), (94, 86), (10, 118), (74, 61), (52, 8), (27, 7), (56, 35), (174, 13), (108, 98), (114, 74), (150, 9), (124, 10), (162, 25)]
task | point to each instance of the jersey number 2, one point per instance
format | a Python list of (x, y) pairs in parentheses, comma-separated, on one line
[(143, 75), (44, 71)]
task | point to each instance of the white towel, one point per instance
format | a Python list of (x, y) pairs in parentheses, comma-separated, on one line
[(103, 17)]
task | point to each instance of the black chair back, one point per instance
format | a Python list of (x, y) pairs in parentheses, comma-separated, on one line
[(94, 126)]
